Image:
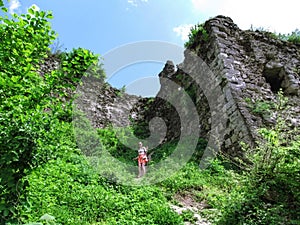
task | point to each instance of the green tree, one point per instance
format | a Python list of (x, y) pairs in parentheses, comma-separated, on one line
[(24, 44)]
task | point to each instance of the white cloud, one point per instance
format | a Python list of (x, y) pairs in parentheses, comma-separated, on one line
[(135, 3), (183, 31), (132, 2), (13, 5), (279, 16)]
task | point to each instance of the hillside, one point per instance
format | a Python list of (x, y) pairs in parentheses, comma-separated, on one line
[(66, 155)]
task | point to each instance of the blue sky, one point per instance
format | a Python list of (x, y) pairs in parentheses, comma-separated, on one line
[(103, 25)]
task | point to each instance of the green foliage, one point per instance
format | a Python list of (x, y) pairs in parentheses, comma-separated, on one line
[(293, 37), (24, 41), (165, 150), (81, 62), (42, 171), (34, 117), (122, 91), (116, 141), (262, 108), (270, 192), (71, 191), (141, 129), (265, 193), (197, 31), (188, 215), (212, 186), (45, 178)]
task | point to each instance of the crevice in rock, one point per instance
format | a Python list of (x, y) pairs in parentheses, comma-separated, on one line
[(273, 72)]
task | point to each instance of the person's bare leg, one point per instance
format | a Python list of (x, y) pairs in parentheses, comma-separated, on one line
[(140, 170), (143, 169)]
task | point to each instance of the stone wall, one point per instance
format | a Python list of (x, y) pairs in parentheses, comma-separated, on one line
[(103, 105), (250, 68), (256, 65)]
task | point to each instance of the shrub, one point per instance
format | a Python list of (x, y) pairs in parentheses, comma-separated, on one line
[(262, 108), (71, 191), (196, 32), (293, 37), (34, 117), (24, 43), (270, 191)]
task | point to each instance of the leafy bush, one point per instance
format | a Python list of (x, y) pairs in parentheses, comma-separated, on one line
[(188, 215), (262, 108), (270, 192), (196, 32), (33, 115), (24, 41), (293, 37), (81, 62), (72, 192)]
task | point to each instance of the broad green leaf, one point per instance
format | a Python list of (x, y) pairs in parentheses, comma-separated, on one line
[(31, 11), (5, 212), (3, 8), (49, 15), (15, 78), (42, 14)]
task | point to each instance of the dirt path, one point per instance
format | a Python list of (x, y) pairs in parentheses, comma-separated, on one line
[(188, 203)]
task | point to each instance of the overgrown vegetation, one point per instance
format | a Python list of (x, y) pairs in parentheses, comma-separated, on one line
[(261, 108), (45, 178), (293, 37), (24, 41), (197, 32), (270, 191)]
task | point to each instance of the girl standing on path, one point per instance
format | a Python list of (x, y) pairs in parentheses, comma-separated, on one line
[(142, 159)]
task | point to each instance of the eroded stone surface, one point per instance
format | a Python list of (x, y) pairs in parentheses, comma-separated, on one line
[(248, 65)]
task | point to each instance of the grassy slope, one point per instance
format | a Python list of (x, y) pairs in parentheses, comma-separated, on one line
[(70, 190), (58, 182)]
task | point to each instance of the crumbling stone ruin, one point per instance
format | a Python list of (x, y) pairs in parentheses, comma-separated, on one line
[(256, 66), (250, 67)]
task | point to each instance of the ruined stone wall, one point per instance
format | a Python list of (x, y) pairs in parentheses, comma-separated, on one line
[(251, 67), (256, 65), (102, 104)]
